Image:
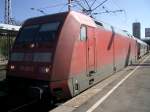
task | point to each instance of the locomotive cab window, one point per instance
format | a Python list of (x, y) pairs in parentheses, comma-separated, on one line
[(83, 33), (39, 33), (28, 33), (47, 32)]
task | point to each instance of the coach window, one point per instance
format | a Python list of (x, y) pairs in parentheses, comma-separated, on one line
[(83, 33)]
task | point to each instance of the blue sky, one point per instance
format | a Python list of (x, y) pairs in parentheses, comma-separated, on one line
[(136, 10)]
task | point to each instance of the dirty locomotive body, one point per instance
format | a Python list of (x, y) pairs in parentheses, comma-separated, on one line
[(58, 56)]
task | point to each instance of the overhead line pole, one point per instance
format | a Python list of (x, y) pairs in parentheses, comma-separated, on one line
[(8, 12), (69, 5)]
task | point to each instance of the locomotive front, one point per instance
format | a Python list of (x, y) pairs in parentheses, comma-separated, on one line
[(31, 58)]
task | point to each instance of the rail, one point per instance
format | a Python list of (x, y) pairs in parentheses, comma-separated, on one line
[(24, 106)]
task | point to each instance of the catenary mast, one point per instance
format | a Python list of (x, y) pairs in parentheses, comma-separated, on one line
[(8, 11)]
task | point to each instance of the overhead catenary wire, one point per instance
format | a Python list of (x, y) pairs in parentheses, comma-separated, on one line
[(93, 3), (87, 4), (105, 9), (90, 9), (39, 10), (83, 8), (124, 11), (108, 12), (54, 5), (99, 5), (79, 3), (69, 4)]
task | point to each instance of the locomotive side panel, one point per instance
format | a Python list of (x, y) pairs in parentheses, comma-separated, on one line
[(83, 59), (122, 51), (134, 50), (104, 53)]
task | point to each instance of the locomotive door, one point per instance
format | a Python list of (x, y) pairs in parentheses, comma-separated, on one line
[(90, 51), (87, 37)]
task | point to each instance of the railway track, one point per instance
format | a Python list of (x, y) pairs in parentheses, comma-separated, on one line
[(33, 105), (26, 107), (14, 106)]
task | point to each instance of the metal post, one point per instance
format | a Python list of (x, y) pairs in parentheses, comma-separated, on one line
[(8, 12), (69, 5)]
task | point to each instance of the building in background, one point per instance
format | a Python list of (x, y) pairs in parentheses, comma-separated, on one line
[(136, 29), (147, 32)]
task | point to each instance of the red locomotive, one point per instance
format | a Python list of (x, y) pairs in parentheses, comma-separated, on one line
[(63, 54)]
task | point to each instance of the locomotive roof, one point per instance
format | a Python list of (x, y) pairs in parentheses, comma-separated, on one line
[(140, 41), (109, 27), (46, 18), (80, 17), (83, 19)]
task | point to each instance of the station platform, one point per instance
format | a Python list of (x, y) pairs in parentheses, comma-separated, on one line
[(125, 91)]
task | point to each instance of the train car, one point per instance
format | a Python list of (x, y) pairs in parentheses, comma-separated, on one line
[(142, 48), (63, 54)]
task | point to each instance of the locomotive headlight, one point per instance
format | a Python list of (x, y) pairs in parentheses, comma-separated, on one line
[(12, 67), (32, 45), (44, 69)]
